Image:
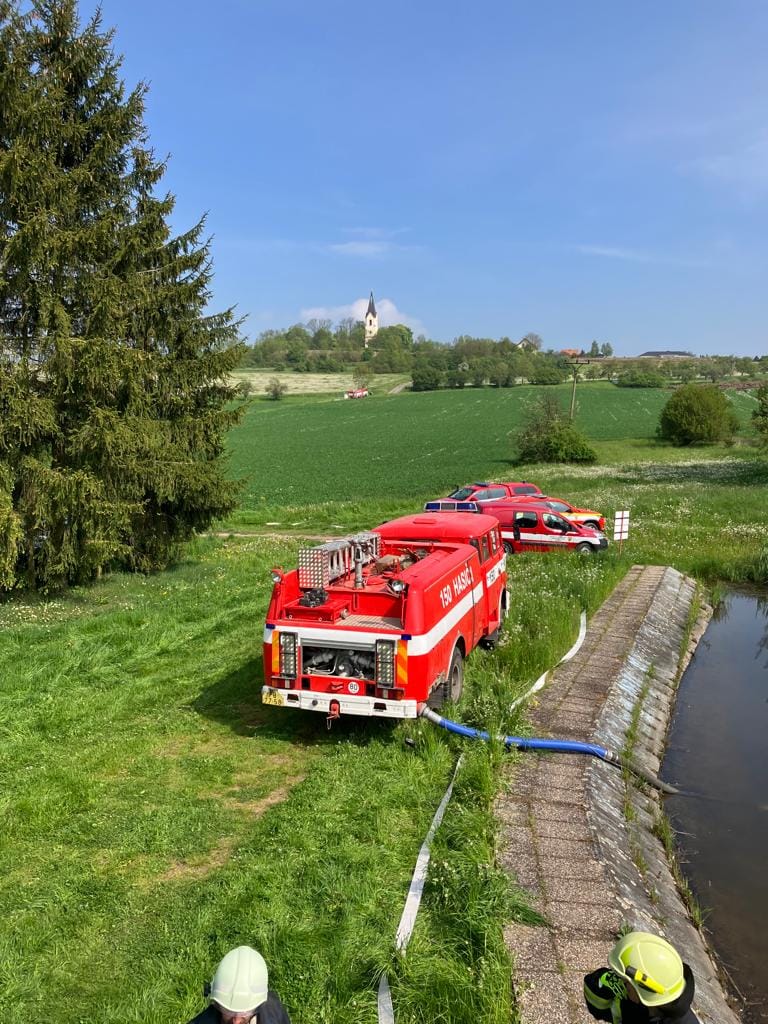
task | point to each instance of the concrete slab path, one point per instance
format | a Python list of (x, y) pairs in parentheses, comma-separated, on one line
[(548, 841)]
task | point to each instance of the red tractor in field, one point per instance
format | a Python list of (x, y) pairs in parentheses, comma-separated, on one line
[(380, 623)]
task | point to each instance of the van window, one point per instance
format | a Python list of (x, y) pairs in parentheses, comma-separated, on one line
[(492, 539), (525, 489), (554, 522), (484, 549), (526, 520)]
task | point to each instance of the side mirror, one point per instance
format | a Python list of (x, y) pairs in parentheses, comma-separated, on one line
[(516, 532)]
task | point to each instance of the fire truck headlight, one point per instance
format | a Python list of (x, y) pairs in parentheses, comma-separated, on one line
[(385, 663), (288, 664), (277, 576), (397, 587)]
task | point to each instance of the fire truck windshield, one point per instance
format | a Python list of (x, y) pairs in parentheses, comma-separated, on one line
[(462, 493)]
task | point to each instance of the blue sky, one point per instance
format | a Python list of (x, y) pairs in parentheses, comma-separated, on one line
[(593, 170)]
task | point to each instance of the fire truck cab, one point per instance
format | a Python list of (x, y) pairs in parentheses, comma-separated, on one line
[(381, 622)]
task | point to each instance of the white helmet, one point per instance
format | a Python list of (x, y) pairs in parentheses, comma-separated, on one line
[(240, 981)]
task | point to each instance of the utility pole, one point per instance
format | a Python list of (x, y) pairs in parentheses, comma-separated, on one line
[(573, 392)]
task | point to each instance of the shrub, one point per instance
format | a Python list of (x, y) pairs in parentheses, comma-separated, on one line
[(697, 413), (641, 379), (275, 389), (426, 378), (548, 375), (547, 436)]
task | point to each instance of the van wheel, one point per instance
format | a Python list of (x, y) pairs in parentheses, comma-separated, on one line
[(451, 687), (584, 549), (508, 549)]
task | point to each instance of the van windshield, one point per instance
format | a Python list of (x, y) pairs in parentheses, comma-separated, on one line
[(462, 493)]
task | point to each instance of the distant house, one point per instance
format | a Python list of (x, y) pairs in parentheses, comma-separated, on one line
[(572, 353), (666, 354)]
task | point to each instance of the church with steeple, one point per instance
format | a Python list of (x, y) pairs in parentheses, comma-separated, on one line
[(371, 321)]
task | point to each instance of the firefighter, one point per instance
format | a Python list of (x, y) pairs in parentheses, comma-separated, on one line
[(239, 992), (646, 982)]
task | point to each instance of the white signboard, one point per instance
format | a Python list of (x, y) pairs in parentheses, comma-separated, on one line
[(621, 526)]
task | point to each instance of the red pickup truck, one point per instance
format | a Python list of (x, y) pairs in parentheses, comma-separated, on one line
[(482, 490)]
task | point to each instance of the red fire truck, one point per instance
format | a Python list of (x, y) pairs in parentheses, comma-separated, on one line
[(381, 622)]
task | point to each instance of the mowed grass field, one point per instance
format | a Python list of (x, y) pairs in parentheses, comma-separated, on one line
[(328, 384)]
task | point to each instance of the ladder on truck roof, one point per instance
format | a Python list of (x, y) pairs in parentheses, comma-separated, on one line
[(321, 565)]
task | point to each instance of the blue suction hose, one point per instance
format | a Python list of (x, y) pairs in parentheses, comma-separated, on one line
[(554, 746)]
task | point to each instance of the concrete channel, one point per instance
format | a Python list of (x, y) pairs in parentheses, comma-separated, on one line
[(577, 833)]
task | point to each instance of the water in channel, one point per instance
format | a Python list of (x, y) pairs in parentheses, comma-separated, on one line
[(718, 746)]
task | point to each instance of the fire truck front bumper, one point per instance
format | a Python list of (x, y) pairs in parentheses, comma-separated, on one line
[(368, 707)]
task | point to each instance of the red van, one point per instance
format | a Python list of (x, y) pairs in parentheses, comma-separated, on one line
[(527, 526)]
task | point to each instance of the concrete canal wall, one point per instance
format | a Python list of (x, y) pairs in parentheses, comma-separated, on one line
[(577, 833)]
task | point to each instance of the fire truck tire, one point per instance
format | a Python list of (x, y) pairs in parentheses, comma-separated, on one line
[(508, 548), (450, 688), (592, 524), (584, 549)]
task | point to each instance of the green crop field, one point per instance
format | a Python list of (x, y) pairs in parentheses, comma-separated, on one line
[(321, 464)]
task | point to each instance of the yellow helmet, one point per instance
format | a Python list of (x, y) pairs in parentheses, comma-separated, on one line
[(653, 967)]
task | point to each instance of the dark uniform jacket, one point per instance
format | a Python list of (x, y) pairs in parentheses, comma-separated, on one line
[(606, 996), (271, 1012)]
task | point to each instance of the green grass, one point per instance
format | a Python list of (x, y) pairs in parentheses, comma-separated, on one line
[(155, 813), (341, 464)]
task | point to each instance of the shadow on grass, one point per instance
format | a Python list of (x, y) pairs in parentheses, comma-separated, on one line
[(235, 700)]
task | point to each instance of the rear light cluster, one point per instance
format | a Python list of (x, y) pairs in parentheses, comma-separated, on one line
[(288, 659), (385, 663), (386, 672)]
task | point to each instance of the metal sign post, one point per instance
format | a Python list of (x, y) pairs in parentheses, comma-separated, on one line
[(621, 528)]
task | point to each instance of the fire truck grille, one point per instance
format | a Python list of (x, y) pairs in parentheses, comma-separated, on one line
[(333, 661)]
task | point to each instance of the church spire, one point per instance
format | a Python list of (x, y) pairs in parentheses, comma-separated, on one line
[(371, 321)]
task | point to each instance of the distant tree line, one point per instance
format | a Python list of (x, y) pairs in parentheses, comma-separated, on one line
[(319, 346)]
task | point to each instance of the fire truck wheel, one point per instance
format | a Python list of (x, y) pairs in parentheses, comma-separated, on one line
[(455, 681), (508, 549), (592, 524), (451, 687), (584, 549)]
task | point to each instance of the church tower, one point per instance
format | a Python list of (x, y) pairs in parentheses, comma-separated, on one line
[(371, 321)]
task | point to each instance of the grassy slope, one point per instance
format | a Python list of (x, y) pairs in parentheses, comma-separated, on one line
[(156, 813)]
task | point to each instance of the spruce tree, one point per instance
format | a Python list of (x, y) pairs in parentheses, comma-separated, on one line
[(113, 393)]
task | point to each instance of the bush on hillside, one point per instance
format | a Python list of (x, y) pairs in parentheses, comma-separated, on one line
[(697, 413), (426, 378), (275, 389), (548, 374), (641, 379), (547, 436)]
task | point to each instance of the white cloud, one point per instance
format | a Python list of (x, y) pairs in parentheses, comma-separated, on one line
[(364, 248), (388, 314), (613, 252), (743, 167), (616, 252)]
